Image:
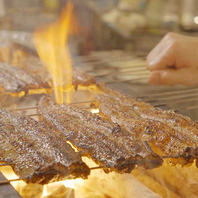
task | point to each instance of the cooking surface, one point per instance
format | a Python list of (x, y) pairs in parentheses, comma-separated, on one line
[(123, 72)]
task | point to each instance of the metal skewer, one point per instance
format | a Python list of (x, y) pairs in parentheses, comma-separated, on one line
[(8, 181), (92, 168), (169, 156), (97, 167), (18, 179), (83, 102), (25, 109), (6, 164), (36, 114), (35, 108)]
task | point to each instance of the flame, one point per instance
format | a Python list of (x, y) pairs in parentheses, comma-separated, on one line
[(158, 180), (52, 45)]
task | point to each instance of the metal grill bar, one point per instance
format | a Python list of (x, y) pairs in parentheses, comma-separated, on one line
[(168, 93), (8, 181), (110, 74), (118, 68), (176, 102), (122, 56), (120, 64), (125, 81), (189, 107), (171, 97), (25, 109), (7, 190), (73, 103)]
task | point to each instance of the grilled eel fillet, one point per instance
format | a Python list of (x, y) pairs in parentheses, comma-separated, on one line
[(166, 132), (31, 74), (38, 155), (99, 139), (33, 65), (15, 80)]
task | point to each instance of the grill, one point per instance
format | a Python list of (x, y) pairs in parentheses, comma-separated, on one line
[(127, 73), (118, 71)]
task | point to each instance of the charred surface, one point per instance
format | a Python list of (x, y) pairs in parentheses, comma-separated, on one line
[(166, 132), (39, 155), (30, 74), (105, 142)]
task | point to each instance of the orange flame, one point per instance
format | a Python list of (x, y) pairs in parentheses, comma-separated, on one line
[(51, 44)]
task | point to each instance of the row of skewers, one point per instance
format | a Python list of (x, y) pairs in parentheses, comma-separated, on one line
[(127, 134)]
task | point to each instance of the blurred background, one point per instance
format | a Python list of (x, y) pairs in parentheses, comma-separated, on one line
[(131, 25)]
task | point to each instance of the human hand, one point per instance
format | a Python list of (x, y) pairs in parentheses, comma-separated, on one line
[(174, 61)]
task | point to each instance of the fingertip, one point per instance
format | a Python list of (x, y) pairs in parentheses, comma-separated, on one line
[(154, 78), (166, 77), (150, 64), (154, 64), (169, 77)]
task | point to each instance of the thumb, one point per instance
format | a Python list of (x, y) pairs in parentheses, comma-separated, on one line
[(183, 76)]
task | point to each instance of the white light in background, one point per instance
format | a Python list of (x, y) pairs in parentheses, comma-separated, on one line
[(94, 110), (72, 183), (196, 19)]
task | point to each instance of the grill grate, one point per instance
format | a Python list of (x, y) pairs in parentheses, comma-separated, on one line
[(127, 73), (6, 189)]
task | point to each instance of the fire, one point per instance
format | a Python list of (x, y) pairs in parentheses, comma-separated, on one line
[(52, 46), (58, 189)]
